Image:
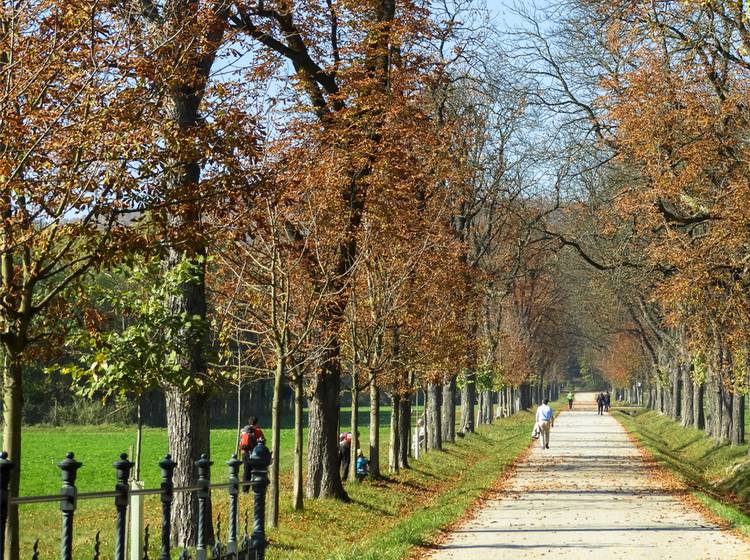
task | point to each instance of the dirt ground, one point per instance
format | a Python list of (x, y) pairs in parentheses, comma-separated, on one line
[(591, 495)]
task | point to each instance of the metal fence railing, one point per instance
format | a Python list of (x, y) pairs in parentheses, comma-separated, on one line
[(250, 547)]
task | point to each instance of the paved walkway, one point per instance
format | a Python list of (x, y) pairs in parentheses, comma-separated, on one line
[(589, 496)]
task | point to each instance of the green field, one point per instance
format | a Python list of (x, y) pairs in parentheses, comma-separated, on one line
[(375, 506)]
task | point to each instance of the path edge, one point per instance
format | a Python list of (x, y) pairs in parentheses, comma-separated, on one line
[(498, 487), (685, 497)]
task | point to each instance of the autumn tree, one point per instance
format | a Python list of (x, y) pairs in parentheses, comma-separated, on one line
[(356, 70), (197, 156), (65, 128)]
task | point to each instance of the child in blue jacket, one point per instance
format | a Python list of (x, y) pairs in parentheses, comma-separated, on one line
[(361, 466)]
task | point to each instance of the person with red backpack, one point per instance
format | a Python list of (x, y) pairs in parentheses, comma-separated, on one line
[(345, 451), (250, 435)]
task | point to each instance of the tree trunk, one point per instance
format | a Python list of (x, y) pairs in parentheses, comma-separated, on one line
[(434, 434), (323, 477), (488, 407), (374, 429), (688, 417), (715, 408), (273, 497), (12, 418), (676, 393), (354, 422), (404, 429), (726, 400), (659, 397), (524, 396), (468, 395), (188, 432), (737, 428), (480, 406), (138, 439), (394, 443), (298, 492), (449, 410)]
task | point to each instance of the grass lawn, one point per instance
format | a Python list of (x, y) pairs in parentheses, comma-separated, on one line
[(717, 474), (383, 520)]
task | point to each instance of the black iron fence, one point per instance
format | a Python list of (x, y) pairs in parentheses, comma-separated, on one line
[(251, 546)]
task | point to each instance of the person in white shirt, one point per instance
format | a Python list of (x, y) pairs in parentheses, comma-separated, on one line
[(545, 417)]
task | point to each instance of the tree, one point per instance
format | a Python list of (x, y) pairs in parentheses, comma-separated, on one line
[(356, 68), (130, 339), (198, 154), (65, 131), (261, 282)]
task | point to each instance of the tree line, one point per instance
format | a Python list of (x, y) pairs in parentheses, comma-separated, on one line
[(651, 99), (196, 193)]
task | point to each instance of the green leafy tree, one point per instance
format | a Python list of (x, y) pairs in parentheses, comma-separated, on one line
[(129, 338)]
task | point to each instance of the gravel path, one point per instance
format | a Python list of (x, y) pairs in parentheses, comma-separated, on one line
[(591, 495)]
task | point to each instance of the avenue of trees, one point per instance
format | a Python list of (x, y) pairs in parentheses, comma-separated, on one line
[(374, 196), (652, 100)]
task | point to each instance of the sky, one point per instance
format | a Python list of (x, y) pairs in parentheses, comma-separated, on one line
[(502, 14)]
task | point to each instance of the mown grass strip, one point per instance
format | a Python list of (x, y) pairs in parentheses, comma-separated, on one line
[(387, 520)]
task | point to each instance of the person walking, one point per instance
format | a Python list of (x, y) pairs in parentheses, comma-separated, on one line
[(600, 403), (545, 417), (607, 401), (570, 400), (250, 435)]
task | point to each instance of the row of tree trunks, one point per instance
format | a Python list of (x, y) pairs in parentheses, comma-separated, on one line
[(482, 407), (713, 405)]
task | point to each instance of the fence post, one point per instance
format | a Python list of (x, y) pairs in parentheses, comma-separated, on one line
[(204, 491), (234, 491), (167, 466), (260, 458), (122, 489), (68, 498), (6, 467)]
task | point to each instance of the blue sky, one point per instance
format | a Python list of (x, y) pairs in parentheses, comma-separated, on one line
[(502, 14)]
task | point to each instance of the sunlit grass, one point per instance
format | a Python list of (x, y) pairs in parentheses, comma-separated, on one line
[(384, 519)]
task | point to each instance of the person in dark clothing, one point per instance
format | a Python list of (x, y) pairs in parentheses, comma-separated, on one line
[(600, 403), (248, 439), (607, 401), (345, 454)]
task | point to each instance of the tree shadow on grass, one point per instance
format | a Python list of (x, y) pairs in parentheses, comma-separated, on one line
[(370, 507), (688, 443)]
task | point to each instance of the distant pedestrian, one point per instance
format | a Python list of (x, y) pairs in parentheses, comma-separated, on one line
[(361, 467), (600, 403), (607, 401), (249, 437), (545, 417), (570, 400), (345, 453)]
